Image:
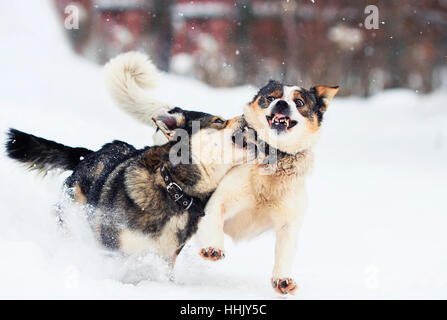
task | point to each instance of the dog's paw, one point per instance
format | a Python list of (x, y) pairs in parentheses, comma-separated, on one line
[(284, 286), (212, 254)]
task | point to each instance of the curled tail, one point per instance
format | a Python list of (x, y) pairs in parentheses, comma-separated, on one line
[(40, 154), (128, 78)]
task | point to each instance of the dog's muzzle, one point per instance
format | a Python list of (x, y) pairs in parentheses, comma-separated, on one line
[(279, 119)]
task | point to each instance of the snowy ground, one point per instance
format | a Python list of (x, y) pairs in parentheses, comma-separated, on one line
[(376, 226)]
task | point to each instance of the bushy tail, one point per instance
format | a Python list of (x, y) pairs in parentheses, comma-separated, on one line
[(40, 154), (128, 78)]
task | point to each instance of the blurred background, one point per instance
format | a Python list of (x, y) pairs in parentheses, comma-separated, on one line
[(228, 43)]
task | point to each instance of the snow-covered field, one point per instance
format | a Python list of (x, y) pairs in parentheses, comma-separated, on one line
[(375, 228)]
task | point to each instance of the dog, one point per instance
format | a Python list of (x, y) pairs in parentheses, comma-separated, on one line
[(256, 197), (150, 199), (253, 198)]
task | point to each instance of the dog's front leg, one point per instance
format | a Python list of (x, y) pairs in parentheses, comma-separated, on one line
[(285, 249), (210, 233), (230, 197)]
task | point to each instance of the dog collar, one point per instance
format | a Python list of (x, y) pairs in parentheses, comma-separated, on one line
[(273, 153), (175, 192)]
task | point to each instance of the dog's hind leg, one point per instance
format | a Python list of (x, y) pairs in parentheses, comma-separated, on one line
[(60, 209), (247, 224), (59, 214)]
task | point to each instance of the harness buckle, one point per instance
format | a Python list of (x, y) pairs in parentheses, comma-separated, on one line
[(177, 191)]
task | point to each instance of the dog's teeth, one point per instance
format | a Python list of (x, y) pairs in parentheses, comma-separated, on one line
[(280, 120)]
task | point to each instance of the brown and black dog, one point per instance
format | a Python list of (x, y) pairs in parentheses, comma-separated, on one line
[(140, 201)]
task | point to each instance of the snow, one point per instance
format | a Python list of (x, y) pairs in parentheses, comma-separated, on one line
[(376, 222)]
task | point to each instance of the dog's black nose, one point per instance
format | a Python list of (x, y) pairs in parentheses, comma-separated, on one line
[(281, 107)]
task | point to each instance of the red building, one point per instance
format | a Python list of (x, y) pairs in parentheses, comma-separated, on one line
[(227, 42)]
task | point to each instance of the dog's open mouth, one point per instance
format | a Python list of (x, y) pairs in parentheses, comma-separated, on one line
[(239, 139), (280, 122), (245, 138)]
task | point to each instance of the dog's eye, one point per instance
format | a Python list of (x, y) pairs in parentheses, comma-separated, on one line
[(219, 121), (270, 98), (299, 103)]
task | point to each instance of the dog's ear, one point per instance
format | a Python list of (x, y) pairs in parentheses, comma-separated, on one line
[(167, 122), (324, 95)]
